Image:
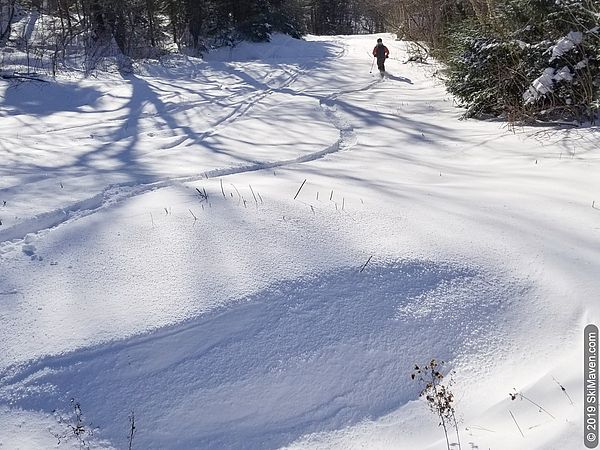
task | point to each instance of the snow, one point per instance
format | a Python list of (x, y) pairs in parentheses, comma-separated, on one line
[(563, 74), (541, 86), (581, 64), (566, 44), (544, 84), (249, 319)]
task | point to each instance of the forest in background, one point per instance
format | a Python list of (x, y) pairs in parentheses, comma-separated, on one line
[(521, 60)]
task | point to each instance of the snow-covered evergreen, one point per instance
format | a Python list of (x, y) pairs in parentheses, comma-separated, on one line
[(535, 60)]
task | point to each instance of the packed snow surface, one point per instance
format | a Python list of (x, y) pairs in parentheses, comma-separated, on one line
[(254, 249)]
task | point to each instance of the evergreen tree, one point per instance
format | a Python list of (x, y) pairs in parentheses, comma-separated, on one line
[(289, 17), (535, 59)]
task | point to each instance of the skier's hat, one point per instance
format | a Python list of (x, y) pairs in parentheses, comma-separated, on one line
[(379, 40)]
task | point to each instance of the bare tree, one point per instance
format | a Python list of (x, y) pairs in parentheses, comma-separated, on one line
[(7, 14)]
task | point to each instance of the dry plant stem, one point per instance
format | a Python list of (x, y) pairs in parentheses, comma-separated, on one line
[(515, 420), (534, 403), (253, 195), (301, 186), (132, 429), (562, 388), (439, 397), (365, 265)]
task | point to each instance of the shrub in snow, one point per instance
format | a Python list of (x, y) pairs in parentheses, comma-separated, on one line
[(439, 396), (536, 59), (75, 427)]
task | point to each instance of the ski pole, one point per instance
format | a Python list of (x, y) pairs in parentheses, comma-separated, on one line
[(372, 64)]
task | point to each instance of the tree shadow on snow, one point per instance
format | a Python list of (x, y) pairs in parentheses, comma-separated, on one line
[(303, 356), (44, 99)]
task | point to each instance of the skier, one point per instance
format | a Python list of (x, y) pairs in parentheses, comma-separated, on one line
[(381, 52)]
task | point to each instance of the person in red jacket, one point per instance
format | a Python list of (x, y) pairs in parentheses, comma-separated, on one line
[(381, 52)]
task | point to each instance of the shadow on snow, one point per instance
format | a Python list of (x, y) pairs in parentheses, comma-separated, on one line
[(43, 99), (303, 356)]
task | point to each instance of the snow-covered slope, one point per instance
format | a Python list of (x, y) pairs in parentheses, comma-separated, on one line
[(253, 251)]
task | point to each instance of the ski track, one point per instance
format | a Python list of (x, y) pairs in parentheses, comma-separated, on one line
[(116, 193), (347, 336), (238, 113)]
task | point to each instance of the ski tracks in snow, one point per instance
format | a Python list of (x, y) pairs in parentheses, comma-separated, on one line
[(11, 237), (238, 112)]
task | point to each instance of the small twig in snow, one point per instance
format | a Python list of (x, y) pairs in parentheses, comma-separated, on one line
[(562, 388), (252, 190), (202, 194), (513, 417), (238, 193), (477, 427), (301, 186), (514, 397), (132, 429), (365, 265)]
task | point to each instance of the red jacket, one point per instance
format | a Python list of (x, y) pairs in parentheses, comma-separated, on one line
[(381, 52)]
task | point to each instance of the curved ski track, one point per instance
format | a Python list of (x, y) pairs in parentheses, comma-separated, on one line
[(116, 193)]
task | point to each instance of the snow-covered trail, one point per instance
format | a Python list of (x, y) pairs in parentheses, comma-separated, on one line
[(133, 120), (243, 319)]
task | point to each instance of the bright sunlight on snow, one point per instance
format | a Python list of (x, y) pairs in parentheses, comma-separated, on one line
[(253, 250)]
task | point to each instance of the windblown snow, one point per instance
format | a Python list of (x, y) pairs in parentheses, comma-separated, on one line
[(254, 249)]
